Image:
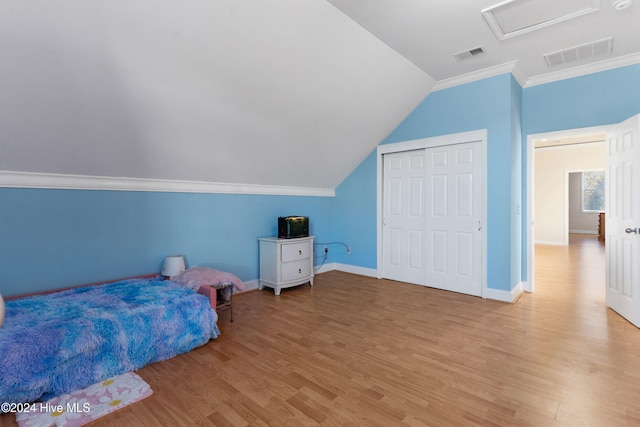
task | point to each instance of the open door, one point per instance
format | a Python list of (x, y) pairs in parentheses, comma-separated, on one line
[(622, 241)]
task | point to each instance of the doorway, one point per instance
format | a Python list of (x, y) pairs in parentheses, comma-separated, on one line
[(554, 141), (556, 167)]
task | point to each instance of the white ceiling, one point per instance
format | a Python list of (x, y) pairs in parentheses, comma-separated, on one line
[(280, 92), (430, 32)]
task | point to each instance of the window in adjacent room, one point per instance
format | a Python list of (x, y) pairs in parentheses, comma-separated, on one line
[(593, 191)]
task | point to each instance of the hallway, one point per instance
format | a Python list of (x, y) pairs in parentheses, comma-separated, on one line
[(572, 276)]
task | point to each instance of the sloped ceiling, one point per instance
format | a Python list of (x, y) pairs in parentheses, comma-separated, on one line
[(287, 93), (275, 92)]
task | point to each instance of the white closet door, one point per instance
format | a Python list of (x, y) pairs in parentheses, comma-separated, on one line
[(403, 216), (453, 208)]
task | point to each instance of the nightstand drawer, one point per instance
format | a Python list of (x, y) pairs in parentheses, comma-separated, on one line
[(296, 251), (295, 270)]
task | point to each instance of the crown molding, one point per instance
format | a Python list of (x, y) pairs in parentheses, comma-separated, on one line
[(583, 70), (12, 179), (525, 81), (507, 67)]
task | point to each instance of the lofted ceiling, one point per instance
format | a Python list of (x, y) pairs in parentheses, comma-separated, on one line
[(281, 93)]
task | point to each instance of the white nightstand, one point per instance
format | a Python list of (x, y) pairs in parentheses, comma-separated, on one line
[(285, 262)]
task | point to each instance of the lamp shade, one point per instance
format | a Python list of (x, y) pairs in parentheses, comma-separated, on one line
[(173, 265), (1, 310)]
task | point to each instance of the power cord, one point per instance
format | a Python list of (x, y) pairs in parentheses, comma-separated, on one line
[(348, 248), (326, 252)]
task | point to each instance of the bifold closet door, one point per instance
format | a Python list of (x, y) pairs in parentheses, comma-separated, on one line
[(403, 224)]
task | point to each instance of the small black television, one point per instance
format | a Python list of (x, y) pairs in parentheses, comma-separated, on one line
[(291, 227)]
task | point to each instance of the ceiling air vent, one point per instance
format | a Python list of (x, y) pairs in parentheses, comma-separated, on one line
[(468, 53), (580, 53)]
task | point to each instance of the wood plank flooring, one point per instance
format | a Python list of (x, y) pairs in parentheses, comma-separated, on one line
[(354, 351)]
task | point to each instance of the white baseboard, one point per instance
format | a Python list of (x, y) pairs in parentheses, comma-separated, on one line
[(495, 294), (324, 268), (353, 269), (546, 242), (573, 231), (504, 296), (250, 285)]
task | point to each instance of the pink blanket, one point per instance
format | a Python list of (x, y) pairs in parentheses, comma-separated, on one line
[(195, 277)]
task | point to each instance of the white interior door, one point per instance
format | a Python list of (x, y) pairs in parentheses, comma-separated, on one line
[(622, 240), (454, 206), (403, 220)]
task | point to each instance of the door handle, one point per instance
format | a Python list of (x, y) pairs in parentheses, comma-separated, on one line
[(631, 230)]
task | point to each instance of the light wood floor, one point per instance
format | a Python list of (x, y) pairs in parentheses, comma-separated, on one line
[(359, 351)]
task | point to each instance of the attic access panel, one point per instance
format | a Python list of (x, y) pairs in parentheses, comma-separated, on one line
[(512, 18)]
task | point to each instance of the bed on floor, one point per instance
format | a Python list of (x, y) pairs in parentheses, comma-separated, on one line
[(64, 341)]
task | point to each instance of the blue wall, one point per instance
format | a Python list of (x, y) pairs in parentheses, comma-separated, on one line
[(487, 104), (592, 100), (59, 238), (355, 223), (509, 113), (597, 99)]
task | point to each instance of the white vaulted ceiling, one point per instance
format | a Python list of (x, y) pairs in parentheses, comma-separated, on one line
[(287, 93), (281, 93)]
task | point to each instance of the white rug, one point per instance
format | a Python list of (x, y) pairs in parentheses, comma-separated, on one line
[(82, 406)]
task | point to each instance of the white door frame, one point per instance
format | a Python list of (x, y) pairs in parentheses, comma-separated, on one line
[(437, 141), (529, 282)]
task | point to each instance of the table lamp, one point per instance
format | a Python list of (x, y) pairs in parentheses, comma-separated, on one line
[(173, 265)]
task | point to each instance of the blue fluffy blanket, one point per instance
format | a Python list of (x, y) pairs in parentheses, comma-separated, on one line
[(65, 341)]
